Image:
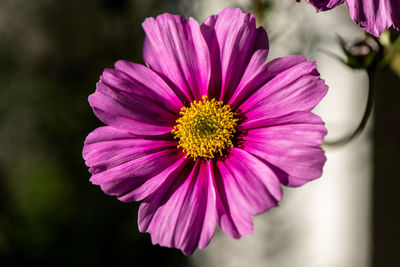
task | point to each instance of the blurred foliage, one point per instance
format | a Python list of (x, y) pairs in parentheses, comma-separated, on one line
[(373, 53), (260, 7), (51, 56), (363, 54), (390, 40)]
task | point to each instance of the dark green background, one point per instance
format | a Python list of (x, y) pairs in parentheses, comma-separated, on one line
[(51, 56)]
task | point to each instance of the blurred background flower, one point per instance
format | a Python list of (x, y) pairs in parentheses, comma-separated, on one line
[(373, 16), (52, 54)]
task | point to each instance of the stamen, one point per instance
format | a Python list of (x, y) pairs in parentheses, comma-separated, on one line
[(205, 128)]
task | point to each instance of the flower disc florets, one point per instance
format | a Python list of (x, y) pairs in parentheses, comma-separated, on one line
[(205, 128)]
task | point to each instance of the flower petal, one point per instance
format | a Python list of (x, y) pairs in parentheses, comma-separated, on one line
[(127, 103), (375, 16), (322, 5), (259, 73), (233, 41), (128, 167), (182, 212), (175, 48), (245, 187), (146, 84), (395, 11), (296, 89), (290, 145)]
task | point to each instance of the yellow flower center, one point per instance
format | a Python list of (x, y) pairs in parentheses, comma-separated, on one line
[(205, 128)]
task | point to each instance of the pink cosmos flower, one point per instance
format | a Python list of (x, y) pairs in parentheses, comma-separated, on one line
[(373, 16), (207, 131)]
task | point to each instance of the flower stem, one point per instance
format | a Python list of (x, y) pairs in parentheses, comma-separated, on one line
[(367, 113)]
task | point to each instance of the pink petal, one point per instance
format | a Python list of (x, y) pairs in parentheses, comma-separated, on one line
[(245, 186), (182, 212), (259, 73), (233, 41), (141, 105), (128, 167), (290, 145), (147, 84), (375, 16), (175, 48), (322, 5), (296, 89)]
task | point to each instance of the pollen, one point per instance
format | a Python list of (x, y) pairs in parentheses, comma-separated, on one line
[(205, 128)]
